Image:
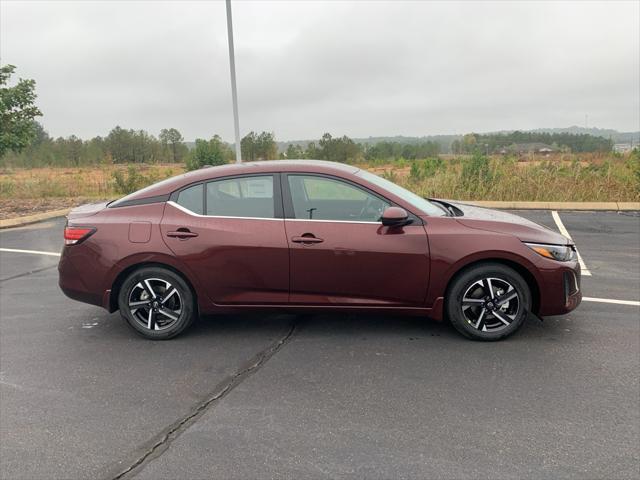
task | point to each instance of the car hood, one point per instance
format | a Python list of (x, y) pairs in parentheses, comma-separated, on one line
[(503, 222)]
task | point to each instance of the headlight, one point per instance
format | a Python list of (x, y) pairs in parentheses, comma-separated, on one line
[(562, 253)]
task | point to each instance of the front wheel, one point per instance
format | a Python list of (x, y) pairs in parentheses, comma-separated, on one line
[(488, 302), (157, 303)]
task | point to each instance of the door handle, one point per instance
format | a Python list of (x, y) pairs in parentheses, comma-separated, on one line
[(182, 233), (307, 239)]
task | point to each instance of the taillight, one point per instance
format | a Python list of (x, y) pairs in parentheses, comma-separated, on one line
[(74, 235)]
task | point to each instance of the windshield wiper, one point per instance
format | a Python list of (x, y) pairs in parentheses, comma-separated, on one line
[(451, 210)]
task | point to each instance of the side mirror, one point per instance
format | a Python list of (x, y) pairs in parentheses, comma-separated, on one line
[(395, 217)]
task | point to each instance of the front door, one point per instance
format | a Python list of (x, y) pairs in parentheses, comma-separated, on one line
[(340, 254), (230, 235)]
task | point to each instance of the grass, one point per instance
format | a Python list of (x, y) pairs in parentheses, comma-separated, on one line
[(566, 177), (571, 178), (102, 182)]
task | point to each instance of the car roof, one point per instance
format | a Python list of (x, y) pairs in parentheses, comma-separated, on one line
[(172, 184), (318, 166)]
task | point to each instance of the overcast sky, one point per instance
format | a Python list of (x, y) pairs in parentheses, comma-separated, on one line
[(357, 68)]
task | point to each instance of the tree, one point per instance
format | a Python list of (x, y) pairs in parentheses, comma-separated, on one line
[(294, 152), (17, 112), (74, 149), (173, 138), (249, 145), (209, 152), (267, 146), (259, 146), (119, 145), (341, 149), (40, 135)]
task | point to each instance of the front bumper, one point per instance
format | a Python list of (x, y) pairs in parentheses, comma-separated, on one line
[(560, 289)]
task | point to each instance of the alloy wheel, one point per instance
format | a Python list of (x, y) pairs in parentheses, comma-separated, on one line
[(155, 304), (490, 304)]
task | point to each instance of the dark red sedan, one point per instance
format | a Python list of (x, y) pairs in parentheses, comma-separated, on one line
[(311, 236)]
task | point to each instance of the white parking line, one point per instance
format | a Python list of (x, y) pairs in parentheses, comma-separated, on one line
[(34, 252), (563, 231), (609, 300)]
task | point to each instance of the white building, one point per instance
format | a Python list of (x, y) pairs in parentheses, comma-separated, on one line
[(622, 147)]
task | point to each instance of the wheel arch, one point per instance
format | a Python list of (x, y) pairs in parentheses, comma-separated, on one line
[(526, 274), (122, 275)]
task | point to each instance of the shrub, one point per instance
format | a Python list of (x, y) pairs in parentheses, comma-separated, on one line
[(633, 163), (476, 172), (415, 173), (208, 152), (390, 175), (129, 182), (7, 187), (431, 165)]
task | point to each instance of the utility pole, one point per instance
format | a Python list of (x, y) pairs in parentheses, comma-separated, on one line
[(234, 90)]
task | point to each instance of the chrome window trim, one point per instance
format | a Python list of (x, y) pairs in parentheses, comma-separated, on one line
[(194, 214), (329, 221)]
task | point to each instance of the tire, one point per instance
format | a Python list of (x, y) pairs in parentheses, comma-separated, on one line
[(488, 302), (157, 303)]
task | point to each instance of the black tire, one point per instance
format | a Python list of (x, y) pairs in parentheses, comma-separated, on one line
[(482, 315), (149, 304)]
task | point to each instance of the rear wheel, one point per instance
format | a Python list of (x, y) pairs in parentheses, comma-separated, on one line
[(157, 303), (488, 302)]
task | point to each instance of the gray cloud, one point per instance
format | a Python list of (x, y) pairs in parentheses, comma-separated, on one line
[(357, 68)]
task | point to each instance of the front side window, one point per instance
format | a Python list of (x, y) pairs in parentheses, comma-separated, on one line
[(322, 198), (192, 199), (241, 197)]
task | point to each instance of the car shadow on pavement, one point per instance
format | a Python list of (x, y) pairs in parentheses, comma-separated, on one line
[(331, 325)]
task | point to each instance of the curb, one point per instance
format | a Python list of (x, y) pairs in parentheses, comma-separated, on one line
[(593, 206), (38, 217)]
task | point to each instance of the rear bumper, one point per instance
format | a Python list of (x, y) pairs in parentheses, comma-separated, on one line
[(76, 279), (560, 290)]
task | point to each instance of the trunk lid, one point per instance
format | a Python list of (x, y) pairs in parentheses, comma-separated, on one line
[(86, 210)]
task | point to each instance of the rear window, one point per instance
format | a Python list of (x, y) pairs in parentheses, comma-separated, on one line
[(192, 199), (241, 197)]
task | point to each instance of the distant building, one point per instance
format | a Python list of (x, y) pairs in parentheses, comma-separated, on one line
[(529, 148), (622, 147)]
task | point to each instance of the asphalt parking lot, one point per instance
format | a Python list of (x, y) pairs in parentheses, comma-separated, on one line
[(349, 396)]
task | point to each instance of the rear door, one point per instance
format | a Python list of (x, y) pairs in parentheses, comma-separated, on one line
[(230, 234), (340, 254)]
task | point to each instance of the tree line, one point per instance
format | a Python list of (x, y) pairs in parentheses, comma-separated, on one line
[(496, 142), (122, 145)]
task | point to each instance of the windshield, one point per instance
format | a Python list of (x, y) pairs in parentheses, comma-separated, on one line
[(420, 203)]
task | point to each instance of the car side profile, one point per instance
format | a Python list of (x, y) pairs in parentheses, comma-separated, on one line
[(306, 235)]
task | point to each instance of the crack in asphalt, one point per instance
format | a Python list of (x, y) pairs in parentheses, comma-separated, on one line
[(221, 390), (28, 273)]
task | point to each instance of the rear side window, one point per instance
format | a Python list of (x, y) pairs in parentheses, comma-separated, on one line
[(192, 199), (241, 197)]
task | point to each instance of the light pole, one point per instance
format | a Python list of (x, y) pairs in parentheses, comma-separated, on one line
[(234, 90)]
